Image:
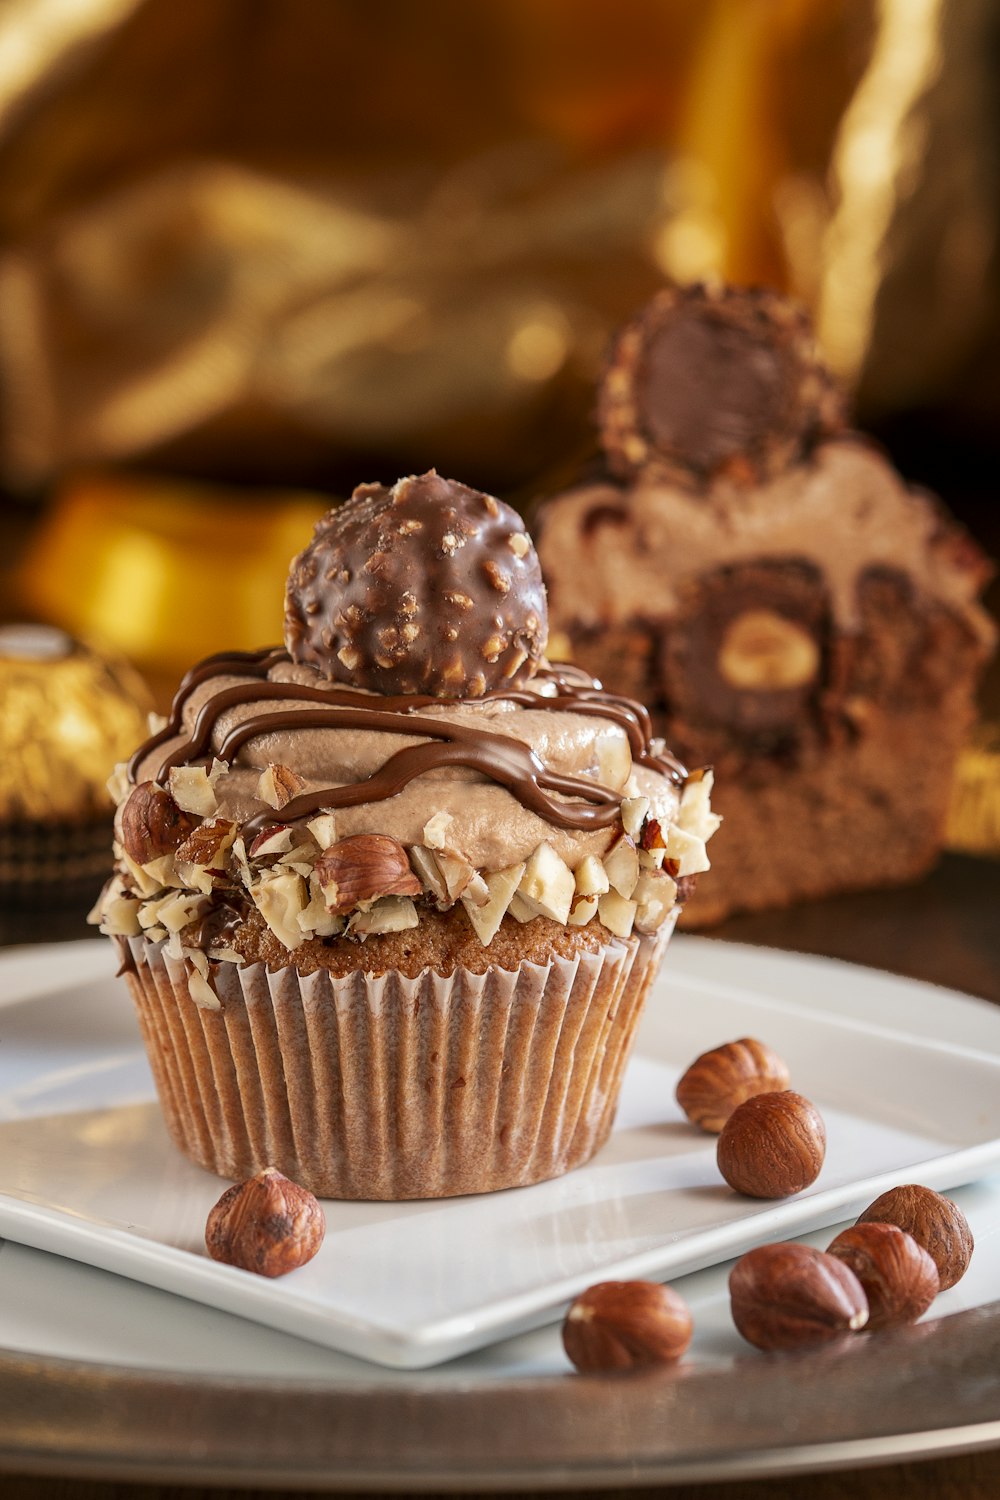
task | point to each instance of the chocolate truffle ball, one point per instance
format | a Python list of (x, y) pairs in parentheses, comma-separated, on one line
[(427, 587), (709, 381)]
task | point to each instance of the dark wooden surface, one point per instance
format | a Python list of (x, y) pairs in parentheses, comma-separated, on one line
[(945, 929), (975, 1477)]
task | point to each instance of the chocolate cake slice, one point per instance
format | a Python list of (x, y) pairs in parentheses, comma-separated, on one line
[(789, 610)]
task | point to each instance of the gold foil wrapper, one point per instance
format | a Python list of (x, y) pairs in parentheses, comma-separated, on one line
[(165, 571), (68, 714), (417, 251), (974, 815)]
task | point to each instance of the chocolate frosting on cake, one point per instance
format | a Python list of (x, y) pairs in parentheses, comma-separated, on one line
[(510, 768), (611, 554)]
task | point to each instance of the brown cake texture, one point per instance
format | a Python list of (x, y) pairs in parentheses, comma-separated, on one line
[(443, 941), (790, 611)]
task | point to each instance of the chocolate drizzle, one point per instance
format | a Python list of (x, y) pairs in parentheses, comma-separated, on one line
[(501, 758)]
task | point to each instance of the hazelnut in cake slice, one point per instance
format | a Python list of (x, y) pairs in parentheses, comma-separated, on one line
[(789, 610), (389, 898)]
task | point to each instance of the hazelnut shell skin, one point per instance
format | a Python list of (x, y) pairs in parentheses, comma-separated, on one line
[(789, 1296), (720, 1080), (268, 1225), (151, 823), (936, 1223), (772, 1145), (626, 1325), (899, 1277)]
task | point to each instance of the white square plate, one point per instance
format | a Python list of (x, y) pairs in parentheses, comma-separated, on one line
[(87, 1171)]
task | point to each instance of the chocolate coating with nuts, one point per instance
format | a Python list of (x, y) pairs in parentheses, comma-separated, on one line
[(427, 587), (706, 381)]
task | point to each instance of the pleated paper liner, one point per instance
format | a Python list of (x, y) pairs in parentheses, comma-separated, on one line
[(386, 1087), (44, 864)]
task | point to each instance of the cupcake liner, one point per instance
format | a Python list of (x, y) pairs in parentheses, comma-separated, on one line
[(385, 1087)]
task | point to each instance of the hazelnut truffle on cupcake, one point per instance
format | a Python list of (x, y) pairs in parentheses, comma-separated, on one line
[(389, 900)]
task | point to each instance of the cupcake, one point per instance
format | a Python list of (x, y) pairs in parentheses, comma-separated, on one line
[(389, 899), (787, 608)]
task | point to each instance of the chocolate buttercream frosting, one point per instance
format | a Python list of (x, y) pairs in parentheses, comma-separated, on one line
[(262, 698)]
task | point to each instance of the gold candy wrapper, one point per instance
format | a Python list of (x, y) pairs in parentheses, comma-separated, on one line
[(974, 815), (416, 252), (164, 571), (67, 715)]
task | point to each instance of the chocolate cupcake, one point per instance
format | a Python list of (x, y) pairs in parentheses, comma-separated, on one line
[(786, 607), (389, 900)]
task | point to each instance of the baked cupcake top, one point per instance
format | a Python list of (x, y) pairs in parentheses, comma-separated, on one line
[(409, 749)]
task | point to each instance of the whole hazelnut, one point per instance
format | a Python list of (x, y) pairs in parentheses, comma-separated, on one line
[(938, 1226), (789, 1296), (152, 824), (718, 1081), (626, 1325), (899, 1278), (763, 651), (772, 1145), (267, 1224)]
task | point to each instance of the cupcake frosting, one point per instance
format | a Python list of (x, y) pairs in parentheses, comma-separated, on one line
[(844, 510), (337, 810), (546, 762)]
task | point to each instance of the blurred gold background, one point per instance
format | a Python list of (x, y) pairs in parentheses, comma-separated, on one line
[(253, 252)]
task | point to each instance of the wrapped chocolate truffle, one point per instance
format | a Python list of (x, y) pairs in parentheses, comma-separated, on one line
[(788, 609), (67, 714), (389, 899)]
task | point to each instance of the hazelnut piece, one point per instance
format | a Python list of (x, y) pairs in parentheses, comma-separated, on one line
[(938, 1226), (152, 824), (207, 844), (772, 1145), (363, 868), (789, 1296), (900, 1279), (279, 785), (763, 651), (626, 1325), (717, 1081), (267, 1224)]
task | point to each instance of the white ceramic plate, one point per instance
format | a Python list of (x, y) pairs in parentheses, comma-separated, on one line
[(86, 1169)]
